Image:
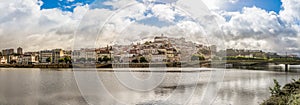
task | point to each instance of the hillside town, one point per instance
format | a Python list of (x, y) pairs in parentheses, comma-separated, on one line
[(160, 49)]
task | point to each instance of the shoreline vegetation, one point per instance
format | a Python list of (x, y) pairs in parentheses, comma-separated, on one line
[(108, 65), (227, 64), (289, 94)]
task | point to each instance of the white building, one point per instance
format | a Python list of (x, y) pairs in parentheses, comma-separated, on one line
[(3, 60), (84, 55), (44, 55), (158, 58), (29, 59), (56, 55)]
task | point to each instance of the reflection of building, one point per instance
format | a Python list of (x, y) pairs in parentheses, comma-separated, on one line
[(20, 51)]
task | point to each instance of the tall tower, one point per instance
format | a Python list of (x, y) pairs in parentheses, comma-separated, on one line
[(20, 51)]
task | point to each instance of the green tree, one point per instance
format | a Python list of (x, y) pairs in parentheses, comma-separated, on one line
[(49, 59), (197, 57), (61, 60), (147, 43), (67, 59), (13, 61), (215, 58), (90, 59), (100, 59), (135, 61), (105, 58), (275, 91), (82, 59), (143, 60)]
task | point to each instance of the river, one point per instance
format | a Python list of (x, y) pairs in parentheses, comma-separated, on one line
[(33, 86)]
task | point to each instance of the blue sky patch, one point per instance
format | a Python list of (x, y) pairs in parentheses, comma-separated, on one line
[(268, 5), (69, 5), (64, 5), (154, 21)]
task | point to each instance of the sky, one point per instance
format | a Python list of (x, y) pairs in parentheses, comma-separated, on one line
[(269, 25)]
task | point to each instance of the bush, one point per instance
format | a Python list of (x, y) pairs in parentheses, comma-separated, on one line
[(135, 61), (288, 95), (275, 91), (197, 57), (143, 60)]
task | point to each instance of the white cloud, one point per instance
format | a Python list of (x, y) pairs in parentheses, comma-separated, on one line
[(290, 11), (217, 4), (23, 24), (256, 28), (23, 19), (70, 0)]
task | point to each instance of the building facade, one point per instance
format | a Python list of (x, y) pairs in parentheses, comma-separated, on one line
[(56, 55), (45, 56), (19, 51), (7, 52)]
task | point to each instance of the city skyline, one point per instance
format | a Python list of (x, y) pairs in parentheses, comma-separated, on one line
[(16, 49), (150, 52), (253, 24)]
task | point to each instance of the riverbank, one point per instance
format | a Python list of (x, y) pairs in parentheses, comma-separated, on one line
[(123, 65), (35, 65), (289, 94), (244, 66)]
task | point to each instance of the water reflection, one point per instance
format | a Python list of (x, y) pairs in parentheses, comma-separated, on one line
[(35, 86)]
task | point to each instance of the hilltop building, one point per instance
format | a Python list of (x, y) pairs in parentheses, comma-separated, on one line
[(161, 49)]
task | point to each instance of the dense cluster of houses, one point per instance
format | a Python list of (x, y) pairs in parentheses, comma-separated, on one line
[(8, 56), (160, 49)]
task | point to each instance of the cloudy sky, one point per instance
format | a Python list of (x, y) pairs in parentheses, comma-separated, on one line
[(270, 25)]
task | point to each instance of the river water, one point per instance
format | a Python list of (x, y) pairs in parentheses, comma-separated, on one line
[(59, 87)]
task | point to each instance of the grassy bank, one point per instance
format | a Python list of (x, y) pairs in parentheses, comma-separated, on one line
[(289, 94)]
